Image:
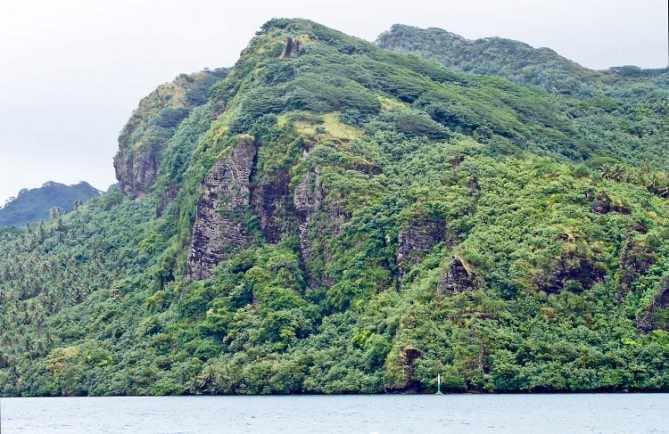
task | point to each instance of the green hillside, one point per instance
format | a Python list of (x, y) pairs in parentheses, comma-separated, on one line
[(37, 204), (336, 218), (524, 64)]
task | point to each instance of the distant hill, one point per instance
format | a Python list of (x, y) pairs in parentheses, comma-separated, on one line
[(34, 204), (521, 63)]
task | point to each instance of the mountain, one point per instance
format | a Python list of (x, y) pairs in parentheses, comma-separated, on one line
[(36, 204), (521, 63), (335, 217)]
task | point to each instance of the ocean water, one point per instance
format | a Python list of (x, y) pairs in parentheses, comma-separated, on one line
[(349, 414)]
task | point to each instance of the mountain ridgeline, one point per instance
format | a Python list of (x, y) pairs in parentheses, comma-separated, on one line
[(522, 63), (37, 204), (328, 216)]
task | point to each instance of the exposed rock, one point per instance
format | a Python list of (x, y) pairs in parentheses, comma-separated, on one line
[(621, 208), (473, 185), (308, 194), (574, 270), (219, 229), (601, 204), (292, 48), (405, 365), (637, 226), (483, 362), (137, 170), (153, 122), (456, 278), (271, 200), (307, 199), (457, 161), (417, 238), (366, 168), (635, 260), (319, 217), (409, 358), (648, 319)]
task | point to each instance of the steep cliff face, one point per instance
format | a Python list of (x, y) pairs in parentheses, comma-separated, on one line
[(636, 258), (273, 207), (153, 123), (655, 316), (136, 170), (219, 226), (457, 278), (307, 199), (418, 237), (320, 218)]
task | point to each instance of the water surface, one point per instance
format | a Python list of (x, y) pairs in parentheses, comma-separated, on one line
[(382, 414)]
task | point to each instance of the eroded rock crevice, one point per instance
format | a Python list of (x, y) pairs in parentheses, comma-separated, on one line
[(320, 217), (219, 228), (457, 278), (272, 204), (417, 238)]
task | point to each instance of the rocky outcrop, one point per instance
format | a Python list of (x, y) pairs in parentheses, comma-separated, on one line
[(635, 260), (166, 197), (320, 217), (153, 123), (307, 199), (456, 278), (272, 204), (574, 270), (473, 186), (409, 357), (418, 237), (137, 170), (601, 204), (656, 315), (292, 48), (367, 168), (457, 161), (219, 229)]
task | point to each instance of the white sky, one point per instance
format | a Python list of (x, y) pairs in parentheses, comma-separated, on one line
[(72, 71)]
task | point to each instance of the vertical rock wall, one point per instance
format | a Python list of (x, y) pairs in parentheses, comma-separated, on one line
[(219, 226)]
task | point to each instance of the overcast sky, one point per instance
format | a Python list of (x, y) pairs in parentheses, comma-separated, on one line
[(72, 71)]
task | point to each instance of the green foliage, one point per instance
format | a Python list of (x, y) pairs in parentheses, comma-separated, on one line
[(514, 207)]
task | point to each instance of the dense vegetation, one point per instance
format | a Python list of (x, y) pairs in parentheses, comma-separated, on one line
[(523, 64), (399, 220), (37, 203)]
